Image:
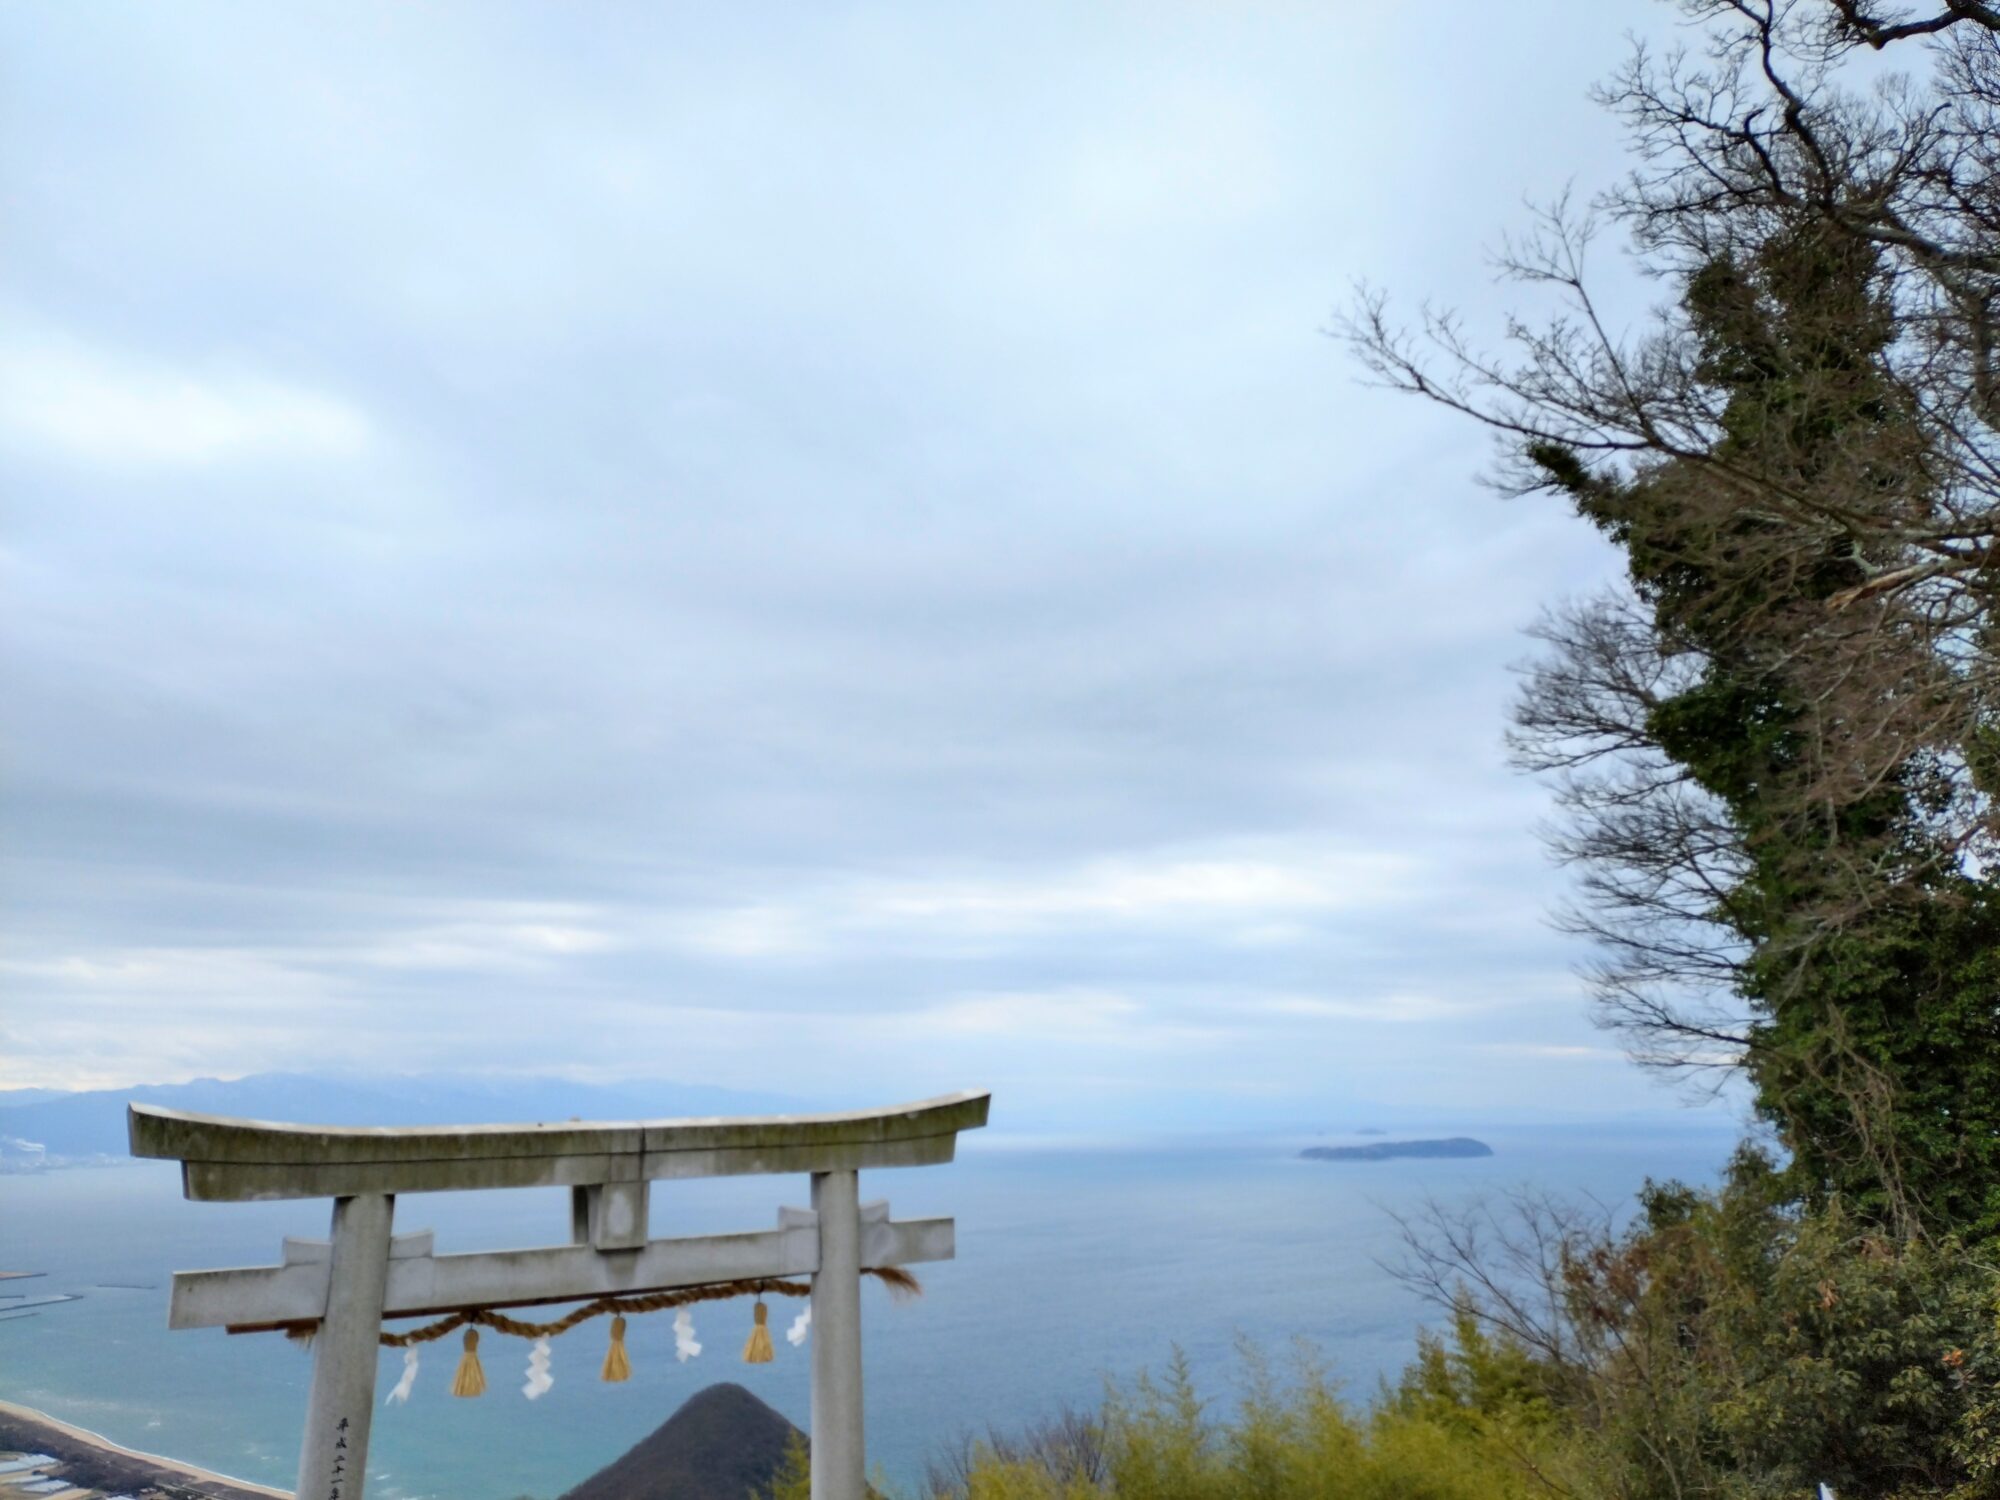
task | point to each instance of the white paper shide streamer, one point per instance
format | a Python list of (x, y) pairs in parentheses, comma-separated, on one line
[(539, 1378), (685, 1347), (401, 1391), (801, 1325)]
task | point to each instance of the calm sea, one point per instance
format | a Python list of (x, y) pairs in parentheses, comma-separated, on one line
[(1074, 1264)]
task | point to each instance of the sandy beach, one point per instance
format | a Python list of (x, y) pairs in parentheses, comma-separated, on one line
[(96, 1467)]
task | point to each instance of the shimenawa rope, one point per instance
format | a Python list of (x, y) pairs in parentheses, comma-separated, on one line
[(895, 1278)]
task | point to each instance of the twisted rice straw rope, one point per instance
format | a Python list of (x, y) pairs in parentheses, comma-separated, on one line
[(895, 1278)]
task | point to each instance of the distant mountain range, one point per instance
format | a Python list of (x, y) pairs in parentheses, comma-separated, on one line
[(82, 1126)]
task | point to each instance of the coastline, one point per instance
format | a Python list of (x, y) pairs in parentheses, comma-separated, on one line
[(92, 1462)]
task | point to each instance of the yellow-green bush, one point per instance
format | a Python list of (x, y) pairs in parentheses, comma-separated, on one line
[(1727, 1343), (1291, 1439)]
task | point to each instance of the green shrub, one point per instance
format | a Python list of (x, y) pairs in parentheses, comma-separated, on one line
[(1293, 1440), (1728, 1344)]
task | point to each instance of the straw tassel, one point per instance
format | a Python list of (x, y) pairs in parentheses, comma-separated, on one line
[(470, 1379), (616, 1365), (758, 1350)]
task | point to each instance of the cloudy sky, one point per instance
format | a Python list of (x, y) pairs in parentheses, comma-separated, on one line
[(819, 547)]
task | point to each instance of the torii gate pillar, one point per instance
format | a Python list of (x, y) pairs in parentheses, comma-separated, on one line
[(839, 1462), (342, 1405), (344, 1288)]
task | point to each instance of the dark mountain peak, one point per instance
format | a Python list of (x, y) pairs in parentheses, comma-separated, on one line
[(722, 1399), (725, 1443)]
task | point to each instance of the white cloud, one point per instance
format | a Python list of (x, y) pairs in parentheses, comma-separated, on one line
[(1557, 1051), (119, 411), (1057, 1017), (1396, 1006), (1148, 890), (210, 975), (1246, 898), (1189, 156), (473, 946), (134, 1015), (759, 931)]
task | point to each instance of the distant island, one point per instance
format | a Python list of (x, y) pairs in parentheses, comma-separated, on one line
[(1457, 1145)]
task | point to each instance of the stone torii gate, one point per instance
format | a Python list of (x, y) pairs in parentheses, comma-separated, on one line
[(364, 1273)]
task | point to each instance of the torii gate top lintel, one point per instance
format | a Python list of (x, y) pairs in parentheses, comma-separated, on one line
[(228, 1160)]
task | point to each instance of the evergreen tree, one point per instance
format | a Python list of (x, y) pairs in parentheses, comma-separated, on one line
[(1776, 745)]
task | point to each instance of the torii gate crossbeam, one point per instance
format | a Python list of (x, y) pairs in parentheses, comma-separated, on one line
[(364, 1272)]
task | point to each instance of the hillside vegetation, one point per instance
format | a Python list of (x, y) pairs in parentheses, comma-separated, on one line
[(1726, 1345)]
